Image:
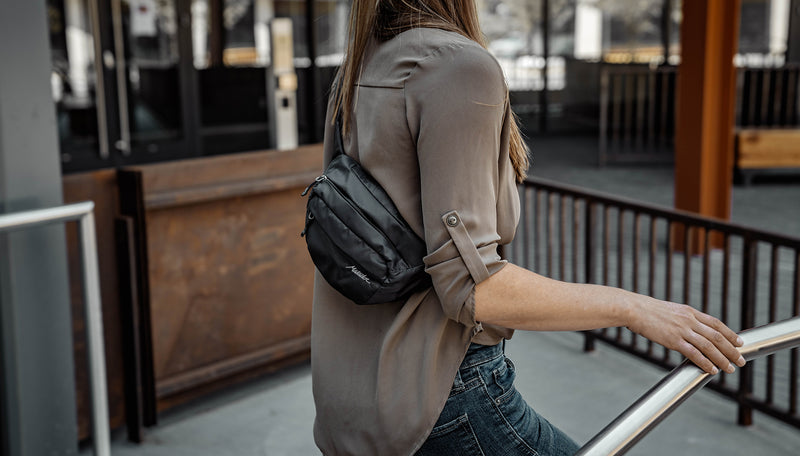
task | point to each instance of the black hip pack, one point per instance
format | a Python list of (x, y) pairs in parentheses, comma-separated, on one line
[(357, 239)]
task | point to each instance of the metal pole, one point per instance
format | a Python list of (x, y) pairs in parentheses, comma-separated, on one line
[(649, 410), (84, 214), (94, 335)]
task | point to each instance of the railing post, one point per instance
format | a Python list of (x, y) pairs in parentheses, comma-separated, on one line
[(94, 334), (749, 260), (588, 257)]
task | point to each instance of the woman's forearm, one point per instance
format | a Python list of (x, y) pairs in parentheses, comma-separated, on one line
[(520, 299)]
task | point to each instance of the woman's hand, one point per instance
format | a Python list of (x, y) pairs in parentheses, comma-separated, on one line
[(703, 339)]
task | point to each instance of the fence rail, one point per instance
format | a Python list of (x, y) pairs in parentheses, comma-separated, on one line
[(744, 277), (637, 108)]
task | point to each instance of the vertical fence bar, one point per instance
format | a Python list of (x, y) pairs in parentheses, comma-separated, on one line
[(668, 275), (726, 260), (526, 233), (606, 246), (562, 238), (651, 110), (793, 106), (539, 249), (551, 221), (794, 353), (781, 79), (749, 260), (687, 264), (606, 242), (773, 298), (575, 238), (637, 238), (620, 247), (588, 262), (637, 222), (620, 256), (747, 77), (588, 236), (739, 90), (766, 88), (706, 257), (533, 206), (651, 273)]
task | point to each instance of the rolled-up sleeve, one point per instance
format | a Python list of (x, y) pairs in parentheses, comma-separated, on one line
[(456, 105)]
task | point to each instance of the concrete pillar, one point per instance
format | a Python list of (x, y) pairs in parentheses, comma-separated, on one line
[(706, 106), (38, 381)]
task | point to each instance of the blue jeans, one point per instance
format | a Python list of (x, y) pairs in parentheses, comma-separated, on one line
[(486, 416)]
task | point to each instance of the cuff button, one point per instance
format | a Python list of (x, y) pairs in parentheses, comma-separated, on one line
[(452, 220)]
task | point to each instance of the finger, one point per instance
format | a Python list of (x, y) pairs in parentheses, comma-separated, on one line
[(711, 352), (694, 355), (719, 326), (722, 343)]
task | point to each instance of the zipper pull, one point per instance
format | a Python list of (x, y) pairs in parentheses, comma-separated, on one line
[(305, 192)]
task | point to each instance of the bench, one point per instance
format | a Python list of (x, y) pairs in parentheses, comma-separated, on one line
[(766, 151)]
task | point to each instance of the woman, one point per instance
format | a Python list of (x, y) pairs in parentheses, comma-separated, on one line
[(425, 110)]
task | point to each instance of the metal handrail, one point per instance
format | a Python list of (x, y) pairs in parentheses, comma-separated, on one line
[(649, 410), (83, 213)]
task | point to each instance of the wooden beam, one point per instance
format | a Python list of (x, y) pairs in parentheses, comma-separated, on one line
[(706, 106)]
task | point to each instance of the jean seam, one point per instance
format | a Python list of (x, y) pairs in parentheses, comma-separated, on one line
[(481, 361), (509, 428)]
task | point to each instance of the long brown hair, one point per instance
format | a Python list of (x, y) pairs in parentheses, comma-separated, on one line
[(383, 19)]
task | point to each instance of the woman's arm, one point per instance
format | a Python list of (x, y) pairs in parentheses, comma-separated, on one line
[(517, 298)]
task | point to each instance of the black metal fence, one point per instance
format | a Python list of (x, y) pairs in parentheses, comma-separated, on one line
[(744, 277), (637, 108)]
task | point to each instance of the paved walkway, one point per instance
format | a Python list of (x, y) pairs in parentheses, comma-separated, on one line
[(578, 392)]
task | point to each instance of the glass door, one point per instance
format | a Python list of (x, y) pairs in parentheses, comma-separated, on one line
[(139, 81), (152, 45), (78, 77), (231, 57)]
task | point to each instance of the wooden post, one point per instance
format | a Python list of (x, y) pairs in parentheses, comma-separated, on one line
[(705, 110)]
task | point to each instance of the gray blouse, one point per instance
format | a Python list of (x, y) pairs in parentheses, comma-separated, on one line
[(432, 127)]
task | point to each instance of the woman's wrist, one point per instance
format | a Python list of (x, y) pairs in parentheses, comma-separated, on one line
[(631, 306)]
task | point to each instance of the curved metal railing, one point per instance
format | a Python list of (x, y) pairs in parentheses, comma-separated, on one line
[(83, 213), (649, 410)]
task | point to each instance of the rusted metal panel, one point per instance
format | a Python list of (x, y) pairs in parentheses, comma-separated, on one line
[(100, 187), (228, 280)]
